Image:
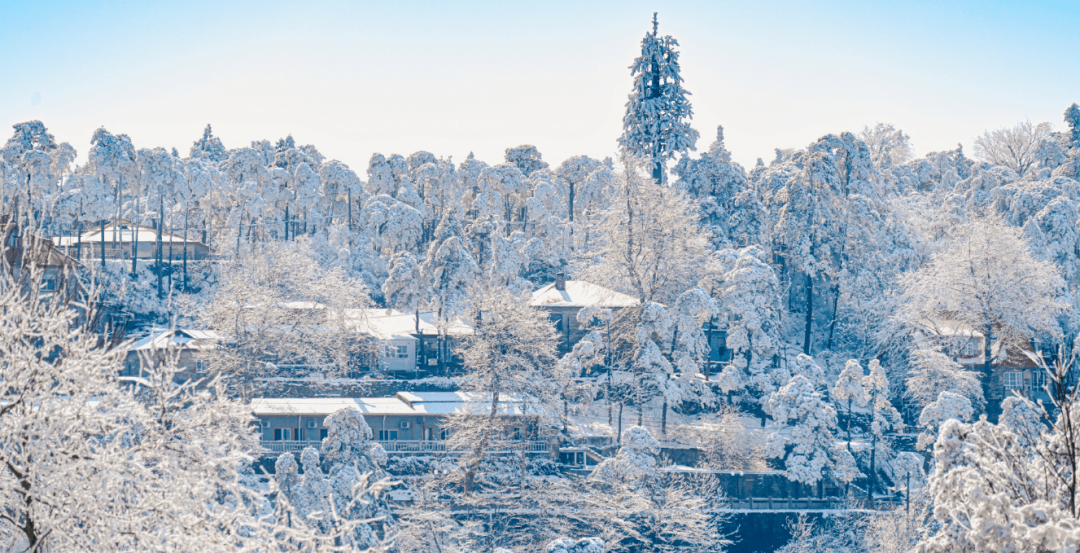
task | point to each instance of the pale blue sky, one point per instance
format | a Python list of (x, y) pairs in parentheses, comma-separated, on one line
[(354, 78)]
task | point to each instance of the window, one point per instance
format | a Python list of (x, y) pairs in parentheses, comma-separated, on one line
[(387, 435), (1013, 381), (402, 352), (323, 433), (289, 434), (1039, 379), (971, 348), (200, 366), (444, 434)]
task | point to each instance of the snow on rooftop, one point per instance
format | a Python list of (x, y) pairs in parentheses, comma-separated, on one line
[(124, 233), (404, 403), (579, 293), (390, 323), (183, 338)]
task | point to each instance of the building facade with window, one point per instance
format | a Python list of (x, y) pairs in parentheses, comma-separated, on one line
[(1016, 362), (161, 346), (407, 423)]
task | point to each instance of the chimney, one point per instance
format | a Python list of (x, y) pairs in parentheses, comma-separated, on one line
[(560, 281)]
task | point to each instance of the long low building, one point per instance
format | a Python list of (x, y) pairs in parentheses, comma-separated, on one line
[(407, 423)]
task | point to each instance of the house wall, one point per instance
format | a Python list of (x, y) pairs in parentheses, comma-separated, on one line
[(416, 431), (186, 362)]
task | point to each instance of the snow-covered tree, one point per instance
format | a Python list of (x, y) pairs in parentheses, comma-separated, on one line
[(510, 357), (637, 507), (883, 418), (526, 158), (948, 406), (849, 389), (570, 545), (449, 269), (97, 462), (933, 372), (657, 121), (1015, 147), (715, 183), (888, 145), (749, 296), (969, 282), (209, 147), (650, 247), (403, 288), (280, 307), (815, 455)]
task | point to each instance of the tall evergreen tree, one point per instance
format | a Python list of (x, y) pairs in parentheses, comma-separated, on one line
[(657, 121)]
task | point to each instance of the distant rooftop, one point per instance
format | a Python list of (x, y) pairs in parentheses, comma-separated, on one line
[(403, 403), (579, 293), (177, 338)]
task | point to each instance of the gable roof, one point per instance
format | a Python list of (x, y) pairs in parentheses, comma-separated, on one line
[(579, 293), (177, 338)]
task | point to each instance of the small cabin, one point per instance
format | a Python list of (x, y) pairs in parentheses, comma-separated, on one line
[(161, 346)]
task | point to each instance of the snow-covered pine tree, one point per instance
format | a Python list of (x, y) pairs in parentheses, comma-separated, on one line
[(209, 147), (658, 113)]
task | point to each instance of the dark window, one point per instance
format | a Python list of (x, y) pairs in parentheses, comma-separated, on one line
[(557, 320), (322, 433)]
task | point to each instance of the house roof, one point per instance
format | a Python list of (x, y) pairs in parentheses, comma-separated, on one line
[(402, 404), (391, 323), (579, 293), (39, 251), (126, 232), (177, 338), (1019, 352)]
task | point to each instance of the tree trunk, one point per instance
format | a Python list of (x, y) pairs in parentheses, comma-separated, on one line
[(663, 418), (102, 244), (481, 446), (239, 235), (185, 244), (134, 250), (618, 438), (988, 373), (809, 313), (161, 223), (873, 471)]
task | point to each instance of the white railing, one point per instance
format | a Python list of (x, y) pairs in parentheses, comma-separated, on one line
[(429, 446), (409, 446), (284, 446)]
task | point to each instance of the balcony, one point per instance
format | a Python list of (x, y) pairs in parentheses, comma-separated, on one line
[(411, 447)]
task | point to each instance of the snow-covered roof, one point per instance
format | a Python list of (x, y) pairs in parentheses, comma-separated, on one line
[(178, 338), (579, 293), (390, 323), (404, 403), (126, 232)]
